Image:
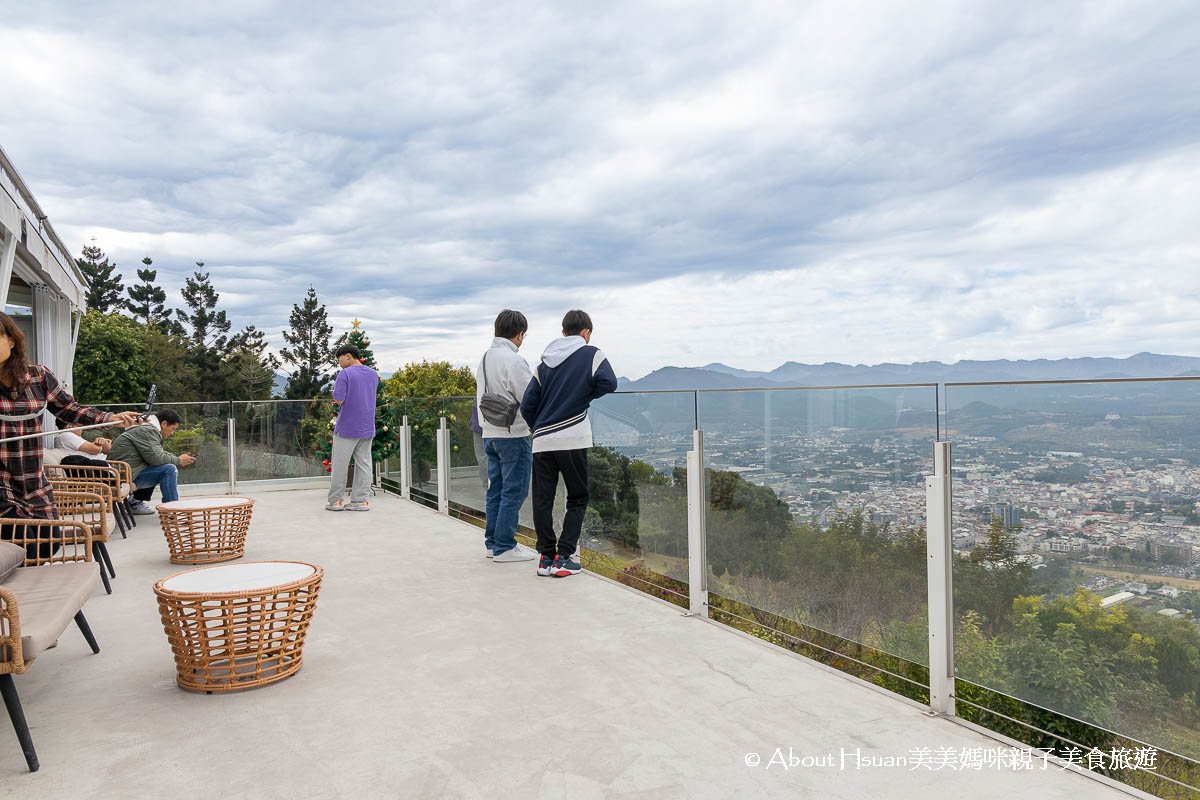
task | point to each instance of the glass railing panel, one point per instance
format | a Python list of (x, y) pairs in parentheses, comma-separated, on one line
[(468, 464), (815, 522), (468, 471), (389, 469), (283, 439), (635, 529), (203, 432), (424, 417), (1076, 530)]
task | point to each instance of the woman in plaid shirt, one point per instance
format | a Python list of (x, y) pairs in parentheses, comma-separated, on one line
[(26, 390)]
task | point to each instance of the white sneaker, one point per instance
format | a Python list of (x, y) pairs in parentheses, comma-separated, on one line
[(490, 554), (516, 554), (363, 506), (141, 508), (336, 505)]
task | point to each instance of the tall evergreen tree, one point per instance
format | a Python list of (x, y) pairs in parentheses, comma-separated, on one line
[(205, 333), (104, 291), (204, 327), (250, 368), (146, 299), (308, 349)]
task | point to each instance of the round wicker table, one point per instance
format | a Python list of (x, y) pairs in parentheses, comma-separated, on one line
[(201, 530), (238, 626)]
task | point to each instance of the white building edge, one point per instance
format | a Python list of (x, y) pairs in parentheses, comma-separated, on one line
[(42, 287)]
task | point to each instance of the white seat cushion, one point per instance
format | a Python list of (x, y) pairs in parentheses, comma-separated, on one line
[(49, 597)]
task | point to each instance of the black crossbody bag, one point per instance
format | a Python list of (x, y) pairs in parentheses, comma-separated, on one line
[(497, 409)]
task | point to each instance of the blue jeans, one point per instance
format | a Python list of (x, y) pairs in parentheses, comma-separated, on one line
[(165, 476), (509, 462)]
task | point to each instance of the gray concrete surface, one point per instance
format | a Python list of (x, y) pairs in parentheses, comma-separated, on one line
[(432, 672)]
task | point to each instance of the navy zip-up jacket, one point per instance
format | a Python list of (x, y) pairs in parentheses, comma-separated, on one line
[(572, 374)]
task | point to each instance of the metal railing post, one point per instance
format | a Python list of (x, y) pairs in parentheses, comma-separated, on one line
[(697, 558), (443, 467), (232, 427), (405, 458), (940, 550)]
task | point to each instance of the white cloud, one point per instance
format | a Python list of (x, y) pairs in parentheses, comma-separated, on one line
[(748, 184)]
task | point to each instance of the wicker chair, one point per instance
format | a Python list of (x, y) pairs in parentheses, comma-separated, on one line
[(94, 486), (117, 475), (88, 502), (38, 602), (124, 490)]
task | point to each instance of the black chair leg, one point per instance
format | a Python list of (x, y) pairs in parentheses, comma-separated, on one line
[(13, 703), (120, 518), (129, 512), (105, 558), (87, 632), (103, 571)]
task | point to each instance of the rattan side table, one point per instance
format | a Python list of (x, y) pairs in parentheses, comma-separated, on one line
[(201, 530), (238, 626)]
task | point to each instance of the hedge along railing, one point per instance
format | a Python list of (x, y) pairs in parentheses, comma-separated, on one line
[(684, 582)]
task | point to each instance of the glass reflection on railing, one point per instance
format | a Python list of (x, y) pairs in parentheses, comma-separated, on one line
[(203, 432), (424, 418), (635, 528), (468, 463), (816, 514), (390, 468), (1076, 529), (283, 439)]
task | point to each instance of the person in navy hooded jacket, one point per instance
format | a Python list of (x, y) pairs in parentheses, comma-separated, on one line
[(570, 376)]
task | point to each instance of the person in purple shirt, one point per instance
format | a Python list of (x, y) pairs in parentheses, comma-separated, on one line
[(354, 390)]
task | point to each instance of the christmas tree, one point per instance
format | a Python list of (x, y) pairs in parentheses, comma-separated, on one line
[(387, 416)]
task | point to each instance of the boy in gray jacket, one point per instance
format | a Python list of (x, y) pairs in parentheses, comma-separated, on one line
[(509, 454)]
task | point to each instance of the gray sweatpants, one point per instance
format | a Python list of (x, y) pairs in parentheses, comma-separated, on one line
[(343, 450), (480, 458)]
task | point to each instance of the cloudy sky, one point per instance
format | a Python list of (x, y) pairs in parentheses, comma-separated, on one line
[(749, 182)]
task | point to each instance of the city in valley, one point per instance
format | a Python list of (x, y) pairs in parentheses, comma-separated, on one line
[(1122, 523)]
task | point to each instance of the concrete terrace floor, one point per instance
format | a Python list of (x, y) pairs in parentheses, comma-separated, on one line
[(431, 672)]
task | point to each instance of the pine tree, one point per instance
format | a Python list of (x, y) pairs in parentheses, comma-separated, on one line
[(250, 368), (104, 291), (204, 331), (308, 349), (146, 299), (204, 327)]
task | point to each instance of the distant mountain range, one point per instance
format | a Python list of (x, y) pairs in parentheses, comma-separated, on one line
[(721, 376)]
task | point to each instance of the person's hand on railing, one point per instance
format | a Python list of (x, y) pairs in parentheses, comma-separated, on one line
[(187, 459), (126, 419)]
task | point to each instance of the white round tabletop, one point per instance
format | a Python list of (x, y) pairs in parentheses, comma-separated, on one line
[(203, 503), (238, 577)]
